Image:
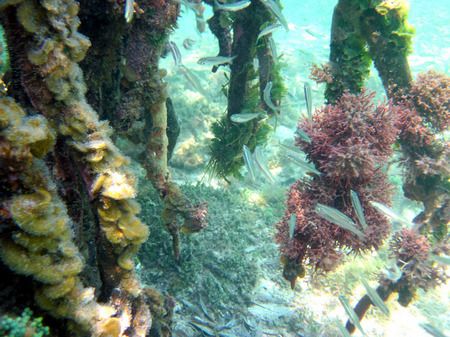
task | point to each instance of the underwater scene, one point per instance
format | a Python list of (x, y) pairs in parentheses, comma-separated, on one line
[(224, 168)]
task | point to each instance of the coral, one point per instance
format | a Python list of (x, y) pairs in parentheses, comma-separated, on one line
[(350, 143), (23, 325)]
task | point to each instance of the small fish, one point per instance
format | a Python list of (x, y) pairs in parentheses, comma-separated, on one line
[(175, 53), (129, 10), (292, 222), (289, 149), (351, 314), (272, 48), (302, 134), (432, 330), (342, 328), (262, 165), (376, 299), (313, 33), (269, 29), (255, 64), (338, 218), (442, 259), (358, 209), (308, 99), (267, 99), (243, 118), (393, 273), (274, 8), (248, 161), (304, 165), (205, 311), (232, 6), (193, 80), (216, 60), (188, 43), (389, 213), (204, 329)]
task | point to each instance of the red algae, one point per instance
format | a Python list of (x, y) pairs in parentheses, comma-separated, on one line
[(350, 144)]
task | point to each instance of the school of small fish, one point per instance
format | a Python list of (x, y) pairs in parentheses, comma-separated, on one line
[(255, 162)]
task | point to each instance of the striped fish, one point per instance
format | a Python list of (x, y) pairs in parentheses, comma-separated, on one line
[(338, 218), (351, 314), (308, 100), (246, 117), (292, 223), (274, 8), (267, 99), (232, 6), (376, 299), (269, 29), (262, 165), (248, 161), (302, 134), (389, 213), (358, 209), (304, 165), (129, 10)]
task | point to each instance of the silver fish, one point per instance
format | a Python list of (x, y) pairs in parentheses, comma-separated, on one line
[(205, 311), (304, 165), (289, 149), (255, 64), (193, 80), (351, 314), (175, 53), (269, 29), (204, 329), (129, 10), (432, 330), (262, 165), (302, 134), (313, 33), (443, 259), (308, 100), (188, 43), (232, 6), (275, 9), (216, 60), (389, 213), (243, 118), (267, 99), (292, 223), (338, 218), (248, 161), (358, 209), (272, 48), (376, 299), (393, 273), (342, 328)]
